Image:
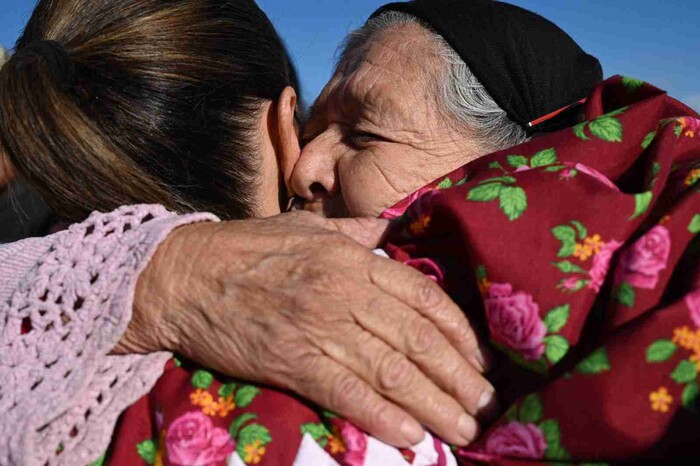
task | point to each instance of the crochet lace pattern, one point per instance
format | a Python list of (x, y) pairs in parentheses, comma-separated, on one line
[(60, 391)]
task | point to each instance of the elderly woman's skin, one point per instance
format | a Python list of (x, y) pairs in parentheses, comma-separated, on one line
[(375, 136), (376, 133)]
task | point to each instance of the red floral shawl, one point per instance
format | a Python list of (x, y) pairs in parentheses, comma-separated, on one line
[(574, 254)]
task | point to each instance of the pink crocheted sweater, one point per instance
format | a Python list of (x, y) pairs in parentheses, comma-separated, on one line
[(61, 392)]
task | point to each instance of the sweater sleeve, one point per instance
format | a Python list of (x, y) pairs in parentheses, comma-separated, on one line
[(65, 301)]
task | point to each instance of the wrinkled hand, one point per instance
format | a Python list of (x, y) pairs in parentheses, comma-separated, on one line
[(295, 303)]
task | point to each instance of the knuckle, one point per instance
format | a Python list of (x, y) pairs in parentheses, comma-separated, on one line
[(381, 415), (395, 372), (346, 391), (422, 336), (429, 294)]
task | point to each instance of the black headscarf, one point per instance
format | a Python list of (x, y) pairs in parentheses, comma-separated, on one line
[(527, 64)]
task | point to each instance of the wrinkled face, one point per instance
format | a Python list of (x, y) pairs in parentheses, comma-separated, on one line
[(376, 133)]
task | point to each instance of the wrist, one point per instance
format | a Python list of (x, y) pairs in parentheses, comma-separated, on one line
[(167, 293)]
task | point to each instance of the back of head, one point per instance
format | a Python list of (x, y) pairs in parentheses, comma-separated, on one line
[(108, 103)]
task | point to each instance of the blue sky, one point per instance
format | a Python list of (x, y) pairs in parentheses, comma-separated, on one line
[(652, 40)]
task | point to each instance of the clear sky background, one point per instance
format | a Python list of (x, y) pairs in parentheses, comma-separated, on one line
[(657, 41)]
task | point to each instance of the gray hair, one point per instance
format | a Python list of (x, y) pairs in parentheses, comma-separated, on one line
[(460, 94)]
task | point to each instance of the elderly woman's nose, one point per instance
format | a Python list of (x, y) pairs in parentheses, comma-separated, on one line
[(315, 174)]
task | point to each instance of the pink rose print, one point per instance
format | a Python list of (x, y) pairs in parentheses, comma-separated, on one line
[(514, 320), (355, 444), (692, 300), (597, 175), (429, 268), (193, 440), (641, 264), (601, 264), (397, 210), (570, 284), (517, 440)]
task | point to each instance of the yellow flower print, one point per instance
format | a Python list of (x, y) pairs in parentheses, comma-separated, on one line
[(686, 338), (419, 226), (484, 286), (583, 252), (660, 400), (211, 409), (692, 177), (161, 453), (253, 452), (594, 243), (336, 445), (225, 405), (201, 398)]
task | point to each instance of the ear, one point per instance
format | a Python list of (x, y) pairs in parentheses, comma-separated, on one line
[(288, 134)]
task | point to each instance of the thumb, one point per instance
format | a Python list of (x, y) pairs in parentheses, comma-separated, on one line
[(369, 232)]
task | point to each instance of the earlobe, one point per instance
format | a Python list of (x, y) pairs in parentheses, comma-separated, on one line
[(290, 150)]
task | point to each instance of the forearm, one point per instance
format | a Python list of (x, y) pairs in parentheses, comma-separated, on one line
[(67, 300)]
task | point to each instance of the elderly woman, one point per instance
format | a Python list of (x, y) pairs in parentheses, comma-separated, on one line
[(535, 228)]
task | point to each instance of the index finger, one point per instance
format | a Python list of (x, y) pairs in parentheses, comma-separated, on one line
[(425, 296)]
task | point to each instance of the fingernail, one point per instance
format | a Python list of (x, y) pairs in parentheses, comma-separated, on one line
[(467, 427), (412, 432), (488, 404), (483, 358)]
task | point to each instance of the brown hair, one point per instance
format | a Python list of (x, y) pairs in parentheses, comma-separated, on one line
[(106, 103)]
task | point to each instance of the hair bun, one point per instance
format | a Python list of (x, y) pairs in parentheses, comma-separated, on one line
[(52, 53)]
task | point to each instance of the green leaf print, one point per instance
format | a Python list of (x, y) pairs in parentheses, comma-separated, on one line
[(147, 450), (690, 395), (481, 272), (517, 161), (625, 295), (202, 379), (661, 351), (556, 348), (513, 201), (685, 371), (531, 409), (500, 179), (101, 460), (317, 431), (694, 226), (568, 267), (582, 231), (544, 158), (251, 434), (617, 112), (678, 130), (485, 193), (648, 139), (606, 128), (556, 318), (461, 182), (445, 184), (555, 168), (493, 165), (552, 434), (567, 236), (177, 361), (245, 395), (238, 423), (580, 131), (227, 389), (512, 413), (596, 363), (642, 202), (632, 84)]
